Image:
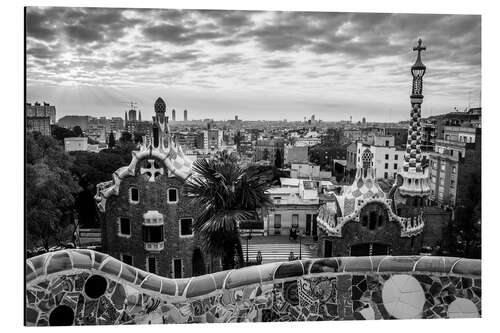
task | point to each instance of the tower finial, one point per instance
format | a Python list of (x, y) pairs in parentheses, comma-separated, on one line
[(418, 65), (419, 46)]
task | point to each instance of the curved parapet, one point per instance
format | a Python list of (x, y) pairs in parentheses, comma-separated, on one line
[(84, 287)]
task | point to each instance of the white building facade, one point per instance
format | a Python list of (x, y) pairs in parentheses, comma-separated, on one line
[(387, 159), (293, 206), (75, 144)]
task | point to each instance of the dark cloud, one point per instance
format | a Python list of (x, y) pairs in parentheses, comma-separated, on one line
[(228, 59), (229, 19), (291, 31), (277, 63), (40, 50), (77, 25), (37, 26), (84, 34), (167, 33), (183, 56), (179, 35), (171, 15)]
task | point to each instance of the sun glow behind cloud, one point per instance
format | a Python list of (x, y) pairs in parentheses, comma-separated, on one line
[(259, 65)]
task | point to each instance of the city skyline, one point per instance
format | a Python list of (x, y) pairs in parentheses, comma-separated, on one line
[(258, 65)]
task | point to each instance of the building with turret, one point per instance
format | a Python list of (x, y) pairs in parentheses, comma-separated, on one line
[(363, 219), (147, 218)]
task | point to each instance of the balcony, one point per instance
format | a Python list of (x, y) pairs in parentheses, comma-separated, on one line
[(152, 218), (154, 246)]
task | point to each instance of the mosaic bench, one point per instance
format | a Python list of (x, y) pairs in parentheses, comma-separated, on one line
[(84, 287)]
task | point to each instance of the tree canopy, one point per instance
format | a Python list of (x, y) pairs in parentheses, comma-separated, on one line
[(50, 190)]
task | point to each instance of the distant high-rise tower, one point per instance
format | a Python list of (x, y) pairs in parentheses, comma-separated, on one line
[(313, 118), (363, 120), (140, 116), (132, 115), (185, 115), (173, 114), (236, 118)]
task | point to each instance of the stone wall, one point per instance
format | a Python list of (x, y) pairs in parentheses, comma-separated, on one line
[(82, 287), (152, 196)]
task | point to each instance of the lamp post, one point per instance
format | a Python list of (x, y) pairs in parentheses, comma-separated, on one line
[(249, 237), (300, 245)]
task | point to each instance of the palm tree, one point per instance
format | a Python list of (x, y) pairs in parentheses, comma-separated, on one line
[(226, 195)]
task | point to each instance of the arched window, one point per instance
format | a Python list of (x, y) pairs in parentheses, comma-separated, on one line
[(364, 220), (373, 216), (156, 137), (380, 221), (372, 220)]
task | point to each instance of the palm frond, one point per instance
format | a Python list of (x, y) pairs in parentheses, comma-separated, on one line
[(226, 195)]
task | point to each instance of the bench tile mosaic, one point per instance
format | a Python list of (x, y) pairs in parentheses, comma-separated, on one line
[(82, 287)]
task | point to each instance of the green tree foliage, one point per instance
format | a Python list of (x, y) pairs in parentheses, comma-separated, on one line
[(278, 161), (265, 154), (138, 137), (126, 138), (92, 141), (111, 140), (331, 147), (50, 190), (227, 195), (94, 168), (333, 137), (78, 131), (59, 133), (238, 138), (324, 155), (467, 224)]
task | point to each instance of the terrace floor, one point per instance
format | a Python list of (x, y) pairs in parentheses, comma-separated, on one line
[(278, 248)]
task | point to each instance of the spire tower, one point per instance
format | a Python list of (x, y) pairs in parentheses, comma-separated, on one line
[(415, 178)]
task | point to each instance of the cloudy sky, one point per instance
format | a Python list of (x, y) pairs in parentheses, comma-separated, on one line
[(258, 65)]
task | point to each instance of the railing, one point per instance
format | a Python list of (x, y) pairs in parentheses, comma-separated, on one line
[(83, 287), (89, 236), (411, 226)]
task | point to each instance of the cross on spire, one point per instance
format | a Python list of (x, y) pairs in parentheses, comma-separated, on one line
[(419, 47), (418, 65)]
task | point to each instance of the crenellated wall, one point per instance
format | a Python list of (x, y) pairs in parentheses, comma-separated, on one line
[(83, 287)]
